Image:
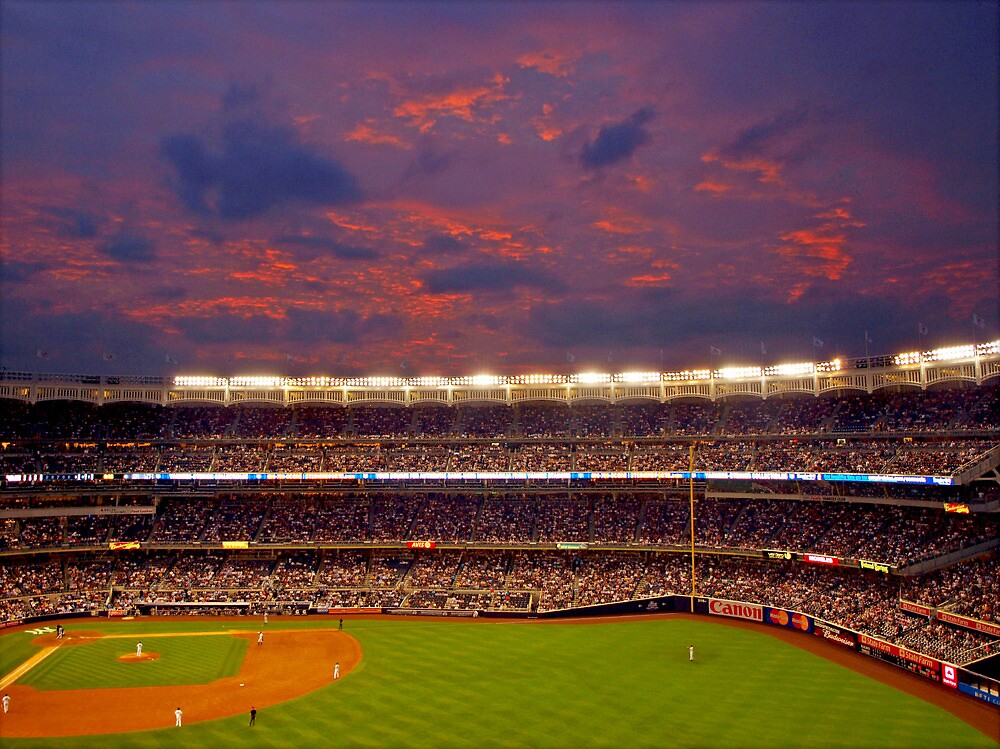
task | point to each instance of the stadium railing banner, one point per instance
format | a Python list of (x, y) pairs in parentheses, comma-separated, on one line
[(885, 569), (957, 620), (968, 622), (916, 608), (917, 663), (833, 633), (736, 609), (790, 619), (460, 476)]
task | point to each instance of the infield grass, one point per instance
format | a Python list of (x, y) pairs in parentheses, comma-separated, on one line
[(183, 660), (626, 683)]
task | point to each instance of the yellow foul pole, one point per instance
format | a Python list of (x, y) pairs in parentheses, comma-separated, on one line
[(691, 502)]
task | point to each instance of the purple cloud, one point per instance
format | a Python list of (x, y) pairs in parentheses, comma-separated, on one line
[(616, 143), (259, 168)]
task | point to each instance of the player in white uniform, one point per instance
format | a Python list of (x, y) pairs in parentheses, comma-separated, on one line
[(177, 717), (691, 653), (336, 670), (138, 650), (6, 703), (260, 638)]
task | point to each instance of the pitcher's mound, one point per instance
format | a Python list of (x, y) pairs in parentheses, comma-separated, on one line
[(133, 658)]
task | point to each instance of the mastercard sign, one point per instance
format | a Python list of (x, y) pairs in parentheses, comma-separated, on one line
[(800, 621), (779, 617)]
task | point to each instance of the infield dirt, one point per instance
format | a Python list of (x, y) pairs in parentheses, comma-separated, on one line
[(288, 665)]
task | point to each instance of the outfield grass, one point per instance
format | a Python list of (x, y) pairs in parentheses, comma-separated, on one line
[(621, 684)]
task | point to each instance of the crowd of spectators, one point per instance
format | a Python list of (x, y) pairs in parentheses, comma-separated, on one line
[(60, 562), (513, 580), (884, 412), (895, 534), (868, 455)]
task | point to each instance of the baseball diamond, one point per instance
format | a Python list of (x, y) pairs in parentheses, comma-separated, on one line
[(298, 663)]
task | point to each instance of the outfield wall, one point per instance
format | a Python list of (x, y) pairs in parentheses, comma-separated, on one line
[(948, 675)]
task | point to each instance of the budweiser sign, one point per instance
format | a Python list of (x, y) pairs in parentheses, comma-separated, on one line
[(834, 635), (736, 609)]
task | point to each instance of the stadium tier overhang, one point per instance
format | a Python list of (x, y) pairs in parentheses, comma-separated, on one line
[(971, 364)]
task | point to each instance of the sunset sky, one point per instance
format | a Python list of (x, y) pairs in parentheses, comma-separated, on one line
[(429, 188)]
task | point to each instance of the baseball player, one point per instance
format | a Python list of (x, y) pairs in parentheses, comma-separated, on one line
[(260, 638), (336, 670), (253, 715), (138, 649), (177, 717), (6, 703), (691, 653)]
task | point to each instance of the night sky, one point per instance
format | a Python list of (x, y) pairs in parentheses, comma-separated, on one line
[(461, 187)]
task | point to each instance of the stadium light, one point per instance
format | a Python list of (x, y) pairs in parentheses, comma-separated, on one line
[(634, 378), (798, 368), (906, 359), (199, 381), (256, 382), (485, 380), (950, 352), (737, 373)]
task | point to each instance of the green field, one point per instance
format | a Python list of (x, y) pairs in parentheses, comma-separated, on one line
[(183, 660), (618, 684)]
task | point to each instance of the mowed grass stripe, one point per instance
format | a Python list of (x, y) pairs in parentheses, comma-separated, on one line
[(15, 650), (183, 660), (430, 684)]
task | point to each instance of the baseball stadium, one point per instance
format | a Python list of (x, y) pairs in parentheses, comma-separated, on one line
[(786, 555)]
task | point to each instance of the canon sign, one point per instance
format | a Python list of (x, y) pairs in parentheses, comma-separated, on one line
[(736, 609)]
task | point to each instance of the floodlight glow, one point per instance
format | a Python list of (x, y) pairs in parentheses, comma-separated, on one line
[(738, 373), (590, 378), (255, 382), (829, 366), (637, 377), (688, 375), (985, 349), (950, 352), (199, 381), (910, 357), (485, 380), (792, 369)]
